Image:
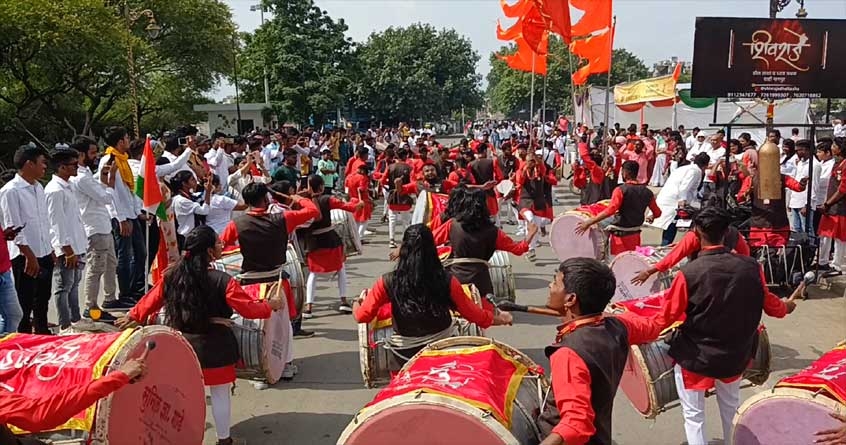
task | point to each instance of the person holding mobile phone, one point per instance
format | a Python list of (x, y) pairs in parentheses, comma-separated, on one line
[(24, 207)]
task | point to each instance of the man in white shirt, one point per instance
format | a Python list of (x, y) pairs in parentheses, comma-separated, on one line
[(174, 153), (798, 202), (692, 139), (679, 191), (219, 160), (67, 237), (24, 206), (127, 229), (823, 166), (93, 195), (839, 130)]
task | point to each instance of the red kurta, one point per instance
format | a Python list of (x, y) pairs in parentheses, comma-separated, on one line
[(674, 305), (51, 410), (377, 297), (834, 226), (384, 182), (770, 236), (627, 243), (359, 190), (460, 174), (236, 298), (549, 177), (330, 260), (690, 244)]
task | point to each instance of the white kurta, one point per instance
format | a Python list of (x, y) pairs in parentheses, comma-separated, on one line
[(680, 186)]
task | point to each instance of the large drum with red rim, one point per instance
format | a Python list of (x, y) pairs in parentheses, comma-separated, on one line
[(428, 208), (376, 360), (567, 244), (462, 390), (166, 407), (263, 344), (628, 264), (346, 227), (798, 407), (500, 270), (648, 379)]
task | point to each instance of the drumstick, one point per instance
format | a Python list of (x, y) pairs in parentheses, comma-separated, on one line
[(149, 346), (513, 307)]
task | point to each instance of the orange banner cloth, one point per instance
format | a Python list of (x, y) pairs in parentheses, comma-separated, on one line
[(828, 374), (522, 59), (516, 10), (556, 17), (38, 364), (482, 376), (597, 50), (597, 16)]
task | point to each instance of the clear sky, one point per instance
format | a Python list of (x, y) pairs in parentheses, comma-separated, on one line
[(654, 30)]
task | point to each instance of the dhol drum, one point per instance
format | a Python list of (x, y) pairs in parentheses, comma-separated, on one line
[(263, 345), (502, 276), (798, 407), (648, 380), (461, 390), (628, 264), (166, 407), (567, 244), (505, 187), (375, 359), (428, 208), (346, 227)]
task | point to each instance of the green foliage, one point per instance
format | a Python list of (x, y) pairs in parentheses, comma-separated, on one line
[(417, 72), (308, 58)]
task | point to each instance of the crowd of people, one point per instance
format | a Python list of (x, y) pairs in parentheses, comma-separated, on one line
[(259, 191)]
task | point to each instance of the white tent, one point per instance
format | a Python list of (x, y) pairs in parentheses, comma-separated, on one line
[(788, 112)]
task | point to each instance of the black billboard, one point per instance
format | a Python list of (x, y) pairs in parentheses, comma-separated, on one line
[(769, 58)]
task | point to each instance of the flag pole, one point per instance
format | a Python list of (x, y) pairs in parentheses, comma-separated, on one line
[(608, 85), (147, 262), (532, 103)]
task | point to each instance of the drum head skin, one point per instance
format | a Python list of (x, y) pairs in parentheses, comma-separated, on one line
[(784, 417), (635, 383), (625, 267), (167, 406), (423, 424), (275, 346), (567, 244)]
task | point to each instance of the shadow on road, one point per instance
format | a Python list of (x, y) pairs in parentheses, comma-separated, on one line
[(526, 283), (536, 320), (786, 359), (292, 428), (330, 371)]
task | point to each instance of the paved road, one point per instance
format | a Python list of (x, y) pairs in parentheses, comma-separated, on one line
[(316, 406)]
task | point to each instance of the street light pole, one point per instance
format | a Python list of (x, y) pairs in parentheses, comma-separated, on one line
[(152, 29), (260, 8), (237, 92)]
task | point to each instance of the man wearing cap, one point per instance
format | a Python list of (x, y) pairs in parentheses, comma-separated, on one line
[(328, 170)]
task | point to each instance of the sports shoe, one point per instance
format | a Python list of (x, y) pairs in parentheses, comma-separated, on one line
[(530, 255), (105, 317), (345, 307), (288, 373), (302, 333), (368, 233), (392, 244), (117, 305), (308, 315)]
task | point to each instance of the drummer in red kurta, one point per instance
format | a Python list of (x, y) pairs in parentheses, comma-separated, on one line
[(433, 184), (358, 187), (461, 175), (833, 221), (324, 247), (769, 225), (629, 202), (595, 175), (485, 170), (534, 207), (589, 355), (50, 410), (721, 295)]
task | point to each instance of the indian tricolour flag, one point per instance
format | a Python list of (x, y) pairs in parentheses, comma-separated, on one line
[(147, 185)]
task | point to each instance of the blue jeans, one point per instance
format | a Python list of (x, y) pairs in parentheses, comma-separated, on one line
[(669, 235), (66, 292), (11, 313), (131, 259), (799, 221)]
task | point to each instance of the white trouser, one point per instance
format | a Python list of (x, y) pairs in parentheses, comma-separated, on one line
[(658, 179), (539, 221), (311, 284), (362, 227), (221, 406), (504, 205), (384, 201), (521, 225), (693, 408), (403, 217), (839, 252)]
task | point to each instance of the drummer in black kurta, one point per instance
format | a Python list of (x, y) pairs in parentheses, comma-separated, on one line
[(473, 239), (263, 239), (199, 302), (589, 354), (508, 164), (485, 170)]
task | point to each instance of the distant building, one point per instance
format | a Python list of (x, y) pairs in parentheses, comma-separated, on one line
[(666, 67), (224, 117)]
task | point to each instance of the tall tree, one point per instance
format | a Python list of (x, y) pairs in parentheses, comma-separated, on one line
[(417, 72), (307, 56)]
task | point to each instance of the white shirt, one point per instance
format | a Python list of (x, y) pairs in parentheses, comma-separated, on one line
[(715, 155), (800, 171), (839, 130), (822, 175), (66, 227), (218, 160), (681, 185), (176, 165), (561, 145), (220, 212), (184, 209), (25, 203), (93, 196), (125, 205), (788, 167)]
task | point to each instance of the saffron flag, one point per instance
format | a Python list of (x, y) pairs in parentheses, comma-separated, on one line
[(597, 50), (147, 185), (677, 72), (556, 16), (516, 10), (597, 16), (525, 59)]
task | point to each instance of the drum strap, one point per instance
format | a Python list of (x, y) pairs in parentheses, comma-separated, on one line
[(450, 261), (397, 342), (263, 277), (323, 230)]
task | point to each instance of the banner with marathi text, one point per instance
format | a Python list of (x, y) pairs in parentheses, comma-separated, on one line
[(483, 376), (827, 374), (35, 365), (656, 89)]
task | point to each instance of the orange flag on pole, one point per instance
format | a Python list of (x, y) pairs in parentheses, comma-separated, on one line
[(522, 59), (556, 17), (597, 50), (597, 15), (516, 10)]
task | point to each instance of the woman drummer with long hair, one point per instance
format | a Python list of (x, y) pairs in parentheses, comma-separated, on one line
[(421, 294), (199, 302)]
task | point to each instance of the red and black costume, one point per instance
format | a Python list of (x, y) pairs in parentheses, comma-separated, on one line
[(358, 186), (629, 202), (461, 176), (689, 247), (587, 362), (769, 223), (833, 221), (485, 170), (323, 246), (531, 190), (722, 295), (213, 342), (396, 201), (594, 178)]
